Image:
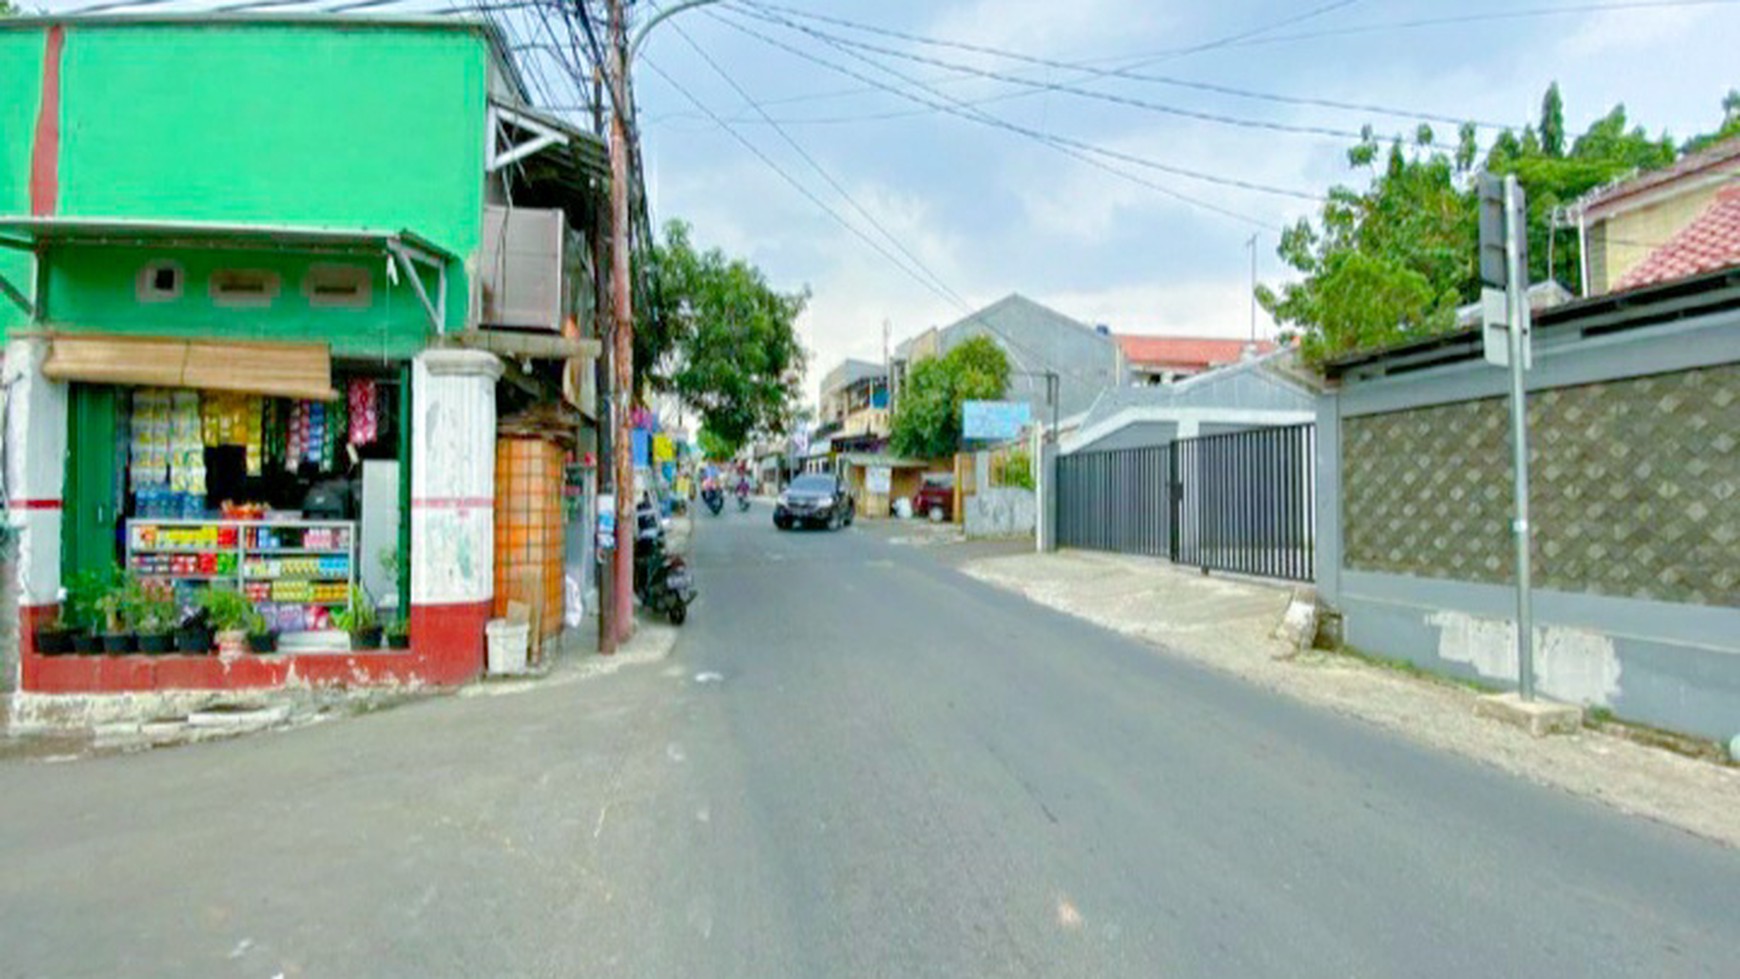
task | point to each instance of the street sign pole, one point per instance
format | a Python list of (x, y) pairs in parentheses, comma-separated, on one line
[(1519, 355)]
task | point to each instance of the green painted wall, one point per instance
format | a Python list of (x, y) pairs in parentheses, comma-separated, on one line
[(263, 123), (20, 77), (93, 289)]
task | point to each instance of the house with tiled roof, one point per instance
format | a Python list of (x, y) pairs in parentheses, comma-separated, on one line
[(1709, 243), (1165, 359), (1625, 223)]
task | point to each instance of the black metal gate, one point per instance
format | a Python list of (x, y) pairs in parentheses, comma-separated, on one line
[(1242, 502)]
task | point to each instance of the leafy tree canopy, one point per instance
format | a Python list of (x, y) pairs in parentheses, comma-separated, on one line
[(927, 418), (720, 338), (1391, 263)]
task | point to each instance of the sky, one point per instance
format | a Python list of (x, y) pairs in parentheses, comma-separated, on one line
[(964, 213), (989, 212)]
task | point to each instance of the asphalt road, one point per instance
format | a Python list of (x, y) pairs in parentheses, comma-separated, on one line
[(856, 763)]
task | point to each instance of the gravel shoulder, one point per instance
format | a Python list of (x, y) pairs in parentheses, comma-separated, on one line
[(1229, 626)]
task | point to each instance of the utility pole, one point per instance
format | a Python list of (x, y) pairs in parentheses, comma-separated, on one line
[(622, 334), (1252, 245)]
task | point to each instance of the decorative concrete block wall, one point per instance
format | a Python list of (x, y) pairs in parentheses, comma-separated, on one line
[(1635, 488)]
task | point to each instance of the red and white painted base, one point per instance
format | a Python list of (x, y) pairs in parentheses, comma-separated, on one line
[(446, 650)]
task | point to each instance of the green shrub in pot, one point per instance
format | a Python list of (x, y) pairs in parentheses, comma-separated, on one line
[(230, 613)]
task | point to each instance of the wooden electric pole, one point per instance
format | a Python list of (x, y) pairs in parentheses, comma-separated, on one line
[(622, 335)]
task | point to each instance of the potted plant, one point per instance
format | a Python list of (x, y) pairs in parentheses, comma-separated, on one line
[(359, 620), (229, 612), (399, 633), (193, 635), (83, 610), (151, 614), (117, 608), (262, 638)]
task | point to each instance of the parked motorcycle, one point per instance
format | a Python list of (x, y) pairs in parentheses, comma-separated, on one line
[(661, 581), (715, 500)]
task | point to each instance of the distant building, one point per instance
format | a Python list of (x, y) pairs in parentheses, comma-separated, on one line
[(854, 406), (1153, 360), (1625, 222), (1037, 340)]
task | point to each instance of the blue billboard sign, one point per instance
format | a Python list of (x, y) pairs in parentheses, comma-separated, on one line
[(994, 420)]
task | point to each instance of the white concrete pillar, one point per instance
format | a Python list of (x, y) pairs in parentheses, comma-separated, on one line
[(36, 422), (453, 477)]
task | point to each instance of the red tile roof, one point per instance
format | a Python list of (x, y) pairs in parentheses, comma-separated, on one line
[(1199, 353), (1710, 242)]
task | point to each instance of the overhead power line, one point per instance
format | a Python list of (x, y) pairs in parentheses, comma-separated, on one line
[(1128, 62), (755, 11), (1071, 147), (1124, 73), (798, 185), (822, 171)]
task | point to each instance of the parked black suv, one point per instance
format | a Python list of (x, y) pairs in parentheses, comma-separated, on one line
[(815, 499)]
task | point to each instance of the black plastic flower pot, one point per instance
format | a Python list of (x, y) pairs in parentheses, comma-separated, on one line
[(87, 643), (193, 639), (53, 641), (157, 643), (262, 642), (119, 643), (369, 638), (399, 640)]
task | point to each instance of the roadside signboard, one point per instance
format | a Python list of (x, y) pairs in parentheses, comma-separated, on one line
[(879, 479), (994, 420)]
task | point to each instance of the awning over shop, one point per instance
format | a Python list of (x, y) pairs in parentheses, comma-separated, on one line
[(285, 370)]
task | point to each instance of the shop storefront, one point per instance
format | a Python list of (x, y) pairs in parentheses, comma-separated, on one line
[(294, 503), (296, 500)]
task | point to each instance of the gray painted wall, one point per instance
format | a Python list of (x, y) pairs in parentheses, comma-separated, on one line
[(1669, 664), (1136, 435), (1038, 339)]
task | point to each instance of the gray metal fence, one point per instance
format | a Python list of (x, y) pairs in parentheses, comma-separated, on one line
[(1242, 502)]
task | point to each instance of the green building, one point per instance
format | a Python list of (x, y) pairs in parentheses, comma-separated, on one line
[(302, 228)]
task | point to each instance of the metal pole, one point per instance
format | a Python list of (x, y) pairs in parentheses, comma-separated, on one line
[(1519, 442), (622, 361), (1253, 246)]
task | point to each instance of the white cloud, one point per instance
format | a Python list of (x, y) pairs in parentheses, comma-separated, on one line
[(1612, 31), (1046, 26), (1205, 306)]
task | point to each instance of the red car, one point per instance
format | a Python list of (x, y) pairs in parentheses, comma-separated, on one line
[(935, 497)]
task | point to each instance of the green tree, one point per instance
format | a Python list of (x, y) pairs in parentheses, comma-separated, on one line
[(7, 9), (1729, 128), (714, 333), (1391, 263), (1385, 265), (713, 447), (1553, 122), (927, 418)]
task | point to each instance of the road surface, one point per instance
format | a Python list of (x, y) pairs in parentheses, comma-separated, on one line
[(856, 763)]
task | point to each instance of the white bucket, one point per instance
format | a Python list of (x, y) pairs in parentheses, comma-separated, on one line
[(508, 642)]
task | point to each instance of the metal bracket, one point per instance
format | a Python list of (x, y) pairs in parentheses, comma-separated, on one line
[(543, 137), (407, 256), (17, 296)]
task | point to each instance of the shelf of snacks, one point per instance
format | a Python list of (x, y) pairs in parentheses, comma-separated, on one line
[(295, 571)]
